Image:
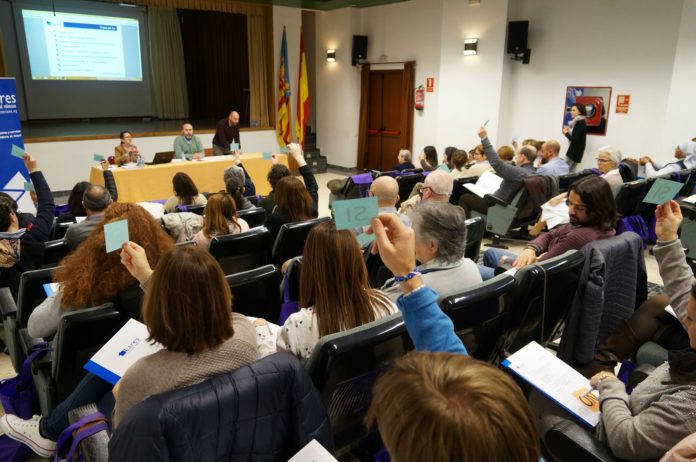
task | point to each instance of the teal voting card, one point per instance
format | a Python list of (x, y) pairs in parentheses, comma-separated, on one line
[(115, 234), (444, 168), (98, 158), (234, 146), (365, 239), (28, 186), (285, 150), (17, 151), (662, 191), (354, 213), (267, 155)]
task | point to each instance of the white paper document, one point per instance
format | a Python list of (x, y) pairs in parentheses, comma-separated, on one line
[(671, 311), (122, 351), (690, 199), (556, 380), (313, 452), (488, 183)]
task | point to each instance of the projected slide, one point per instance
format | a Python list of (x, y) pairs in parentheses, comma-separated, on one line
[(69, 46)]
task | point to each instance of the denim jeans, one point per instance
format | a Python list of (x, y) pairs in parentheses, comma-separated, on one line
[(91, 389), (491, 258)]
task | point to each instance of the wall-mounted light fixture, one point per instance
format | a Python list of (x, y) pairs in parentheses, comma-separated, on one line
[(470, 47), (331, 55)]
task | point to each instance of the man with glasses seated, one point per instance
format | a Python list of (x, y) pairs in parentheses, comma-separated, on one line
[(436, 187), (593, 216)]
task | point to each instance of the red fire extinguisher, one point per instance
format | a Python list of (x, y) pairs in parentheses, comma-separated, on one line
[(420, 98)]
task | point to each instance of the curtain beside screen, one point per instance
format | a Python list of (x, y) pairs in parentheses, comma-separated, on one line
[(167, 64)]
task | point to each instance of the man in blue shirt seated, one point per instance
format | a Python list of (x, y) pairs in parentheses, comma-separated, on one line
[(552, 165)]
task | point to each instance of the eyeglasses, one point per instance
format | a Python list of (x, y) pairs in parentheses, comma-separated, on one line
[(577, 207), (598, 159)]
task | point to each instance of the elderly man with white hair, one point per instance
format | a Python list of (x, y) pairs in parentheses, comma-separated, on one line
[(440, 242), (437, 187), (404, 159)]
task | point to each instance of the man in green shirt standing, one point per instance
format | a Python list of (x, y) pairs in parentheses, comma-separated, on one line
[(187, 145)]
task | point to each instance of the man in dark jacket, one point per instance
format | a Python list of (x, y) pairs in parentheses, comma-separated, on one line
[(21, 248), (512, 175)]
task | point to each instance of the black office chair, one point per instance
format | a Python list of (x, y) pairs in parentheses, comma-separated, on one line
[(255, 292), (80, 335), (30, 295), (254, 217), (567, 441), (458, 188), (630, 197), (539, 303), (689, 183), (54, 251), (478, 315), (566, 181), (59, 229), (406, 183), (344, 367), (628, 171), (475, 229), (243, 251), (291, 240)]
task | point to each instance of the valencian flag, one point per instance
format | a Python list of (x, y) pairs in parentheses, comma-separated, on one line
[(302, 96), (283, 130)]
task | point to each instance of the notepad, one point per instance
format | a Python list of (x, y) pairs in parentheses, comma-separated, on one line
[(488, 183), (557, 380), (122, 351)]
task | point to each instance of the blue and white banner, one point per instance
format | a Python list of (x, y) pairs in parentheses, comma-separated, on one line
[(13, 173)]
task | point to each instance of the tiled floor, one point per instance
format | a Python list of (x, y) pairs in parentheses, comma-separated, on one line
[(6, 369)]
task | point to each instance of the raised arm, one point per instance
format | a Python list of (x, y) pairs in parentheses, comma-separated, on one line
[(46, 207)]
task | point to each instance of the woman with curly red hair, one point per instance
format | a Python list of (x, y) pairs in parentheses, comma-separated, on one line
[(90, 276)]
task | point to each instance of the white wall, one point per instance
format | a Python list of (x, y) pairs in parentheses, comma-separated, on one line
[(471, 86), (679, 120), (338, 87), (628, 45), (68, 162)]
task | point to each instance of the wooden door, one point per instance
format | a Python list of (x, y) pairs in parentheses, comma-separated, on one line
[(385, 136)]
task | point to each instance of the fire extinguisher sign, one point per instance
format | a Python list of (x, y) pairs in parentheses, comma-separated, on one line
[(420, 98), (430, 84)]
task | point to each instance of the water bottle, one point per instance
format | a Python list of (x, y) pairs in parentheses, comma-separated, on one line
[(140, 162)]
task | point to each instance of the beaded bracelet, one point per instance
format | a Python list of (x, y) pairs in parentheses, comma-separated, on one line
[(405, 278)]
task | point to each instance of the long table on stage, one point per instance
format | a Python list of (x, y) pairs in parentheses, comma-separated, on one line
[(154, 182)]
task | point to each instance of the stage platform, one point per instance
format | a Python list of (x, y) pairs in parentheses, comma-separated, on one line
[(44, 131)]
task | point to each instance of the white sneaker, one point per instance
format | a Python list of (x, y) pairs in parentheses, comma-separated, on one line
[(27, 432)]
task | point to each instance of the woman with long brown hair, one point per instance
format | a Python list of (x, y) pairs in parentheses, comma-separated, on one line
[(90, 276), (293, 204), (334, 290), (220, 218), (185, 193)]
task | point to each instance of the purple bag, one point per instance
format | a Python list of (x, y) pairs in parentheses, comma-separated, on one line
[(17, 394), (18, 397), (363, 182), (289, 306), (74, 454)]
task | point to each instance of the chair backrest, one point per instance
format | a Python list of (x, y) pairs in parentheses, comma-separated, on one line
[(267, 410), (630, 197), (256, 292), (59, 230), (243, 251), (475, 228), (54, 251), (458, 188), (80, 335), (566, 181), (291, 240), (255, 216), (406, 183), (198, 209), (478, 316), (293, 276), (31, 292), (689, 183), (344, 367), (541, 300), (628, 171)]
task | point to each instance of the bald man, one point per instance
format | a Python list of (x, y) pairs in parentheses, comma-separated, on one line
[(386, 190), (226, 133), (437, 187)]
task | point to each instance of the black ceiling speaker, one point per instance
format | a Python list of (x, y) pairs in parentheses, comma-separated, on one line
[(359, 48), (517, 35)]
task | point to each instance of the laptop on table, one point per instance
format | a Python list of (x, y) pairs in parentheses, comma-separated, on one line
[(162, 158)]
